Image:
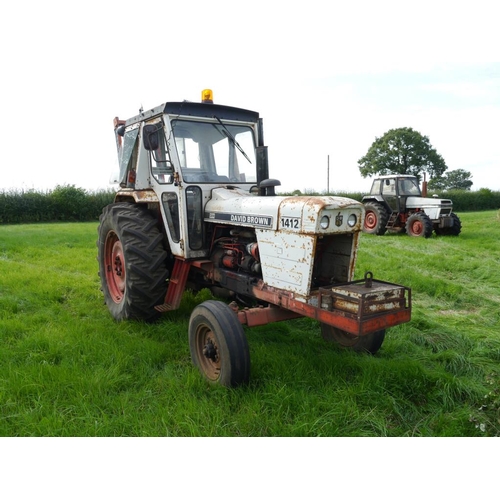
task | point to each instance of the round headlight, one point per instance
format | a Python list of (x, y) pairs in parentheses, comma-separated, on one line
[(324, 222), (351, 221)]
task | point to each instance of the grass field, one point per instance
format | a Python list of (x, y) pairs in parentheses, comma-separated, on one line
[(67, 369)]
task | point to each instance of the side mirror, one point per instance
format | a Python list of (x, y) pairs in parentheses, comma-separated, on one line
[(150, 137), (266, 187)]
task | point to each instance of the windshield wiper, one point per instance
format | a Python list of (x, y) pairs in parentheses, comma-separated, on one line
[(232, 139)]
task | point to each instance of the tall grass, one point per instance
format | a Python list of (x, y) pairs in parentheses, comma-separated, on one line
[(67, 369)]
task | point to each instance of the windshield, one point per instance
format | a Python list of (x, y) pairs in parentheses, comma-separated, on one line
[(215, 152), (409, 186)]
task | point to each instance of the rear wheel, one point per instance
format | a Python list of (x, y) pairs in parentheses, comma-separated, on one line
[(218, 344), (419, 224), (366, 343), (376, 218), (132, 261)]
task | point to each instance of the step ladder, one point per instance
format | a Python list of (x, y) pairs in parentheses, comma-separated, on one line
[(392, 220), (176, 286)]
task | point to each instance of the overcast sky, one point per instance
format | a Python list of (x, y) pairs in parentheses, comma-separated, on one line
[(327, 77)]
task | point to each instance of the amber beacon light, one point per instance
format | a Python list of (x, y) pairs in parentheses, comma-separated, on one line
[(207, 96)]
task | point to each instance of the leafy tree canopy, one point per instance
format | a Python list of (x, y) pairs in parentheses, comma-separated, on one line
[(402, 151), (455, 179)]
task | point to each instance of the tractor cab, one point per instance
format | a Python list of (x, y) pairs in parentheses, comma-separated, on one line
[(395, 190), (179, 152)]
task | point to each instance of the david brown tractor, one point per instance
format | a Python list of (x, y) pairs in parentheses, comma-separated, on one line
[(196, 207), (396, 203)]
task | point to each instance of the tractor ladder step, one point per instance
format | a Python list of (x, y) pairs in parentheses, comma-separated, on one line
[(392, 220), (176, 286)]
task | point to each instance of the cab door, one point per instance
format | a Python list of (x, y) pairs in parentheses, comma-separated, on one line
[(181, 205), (390, 194)]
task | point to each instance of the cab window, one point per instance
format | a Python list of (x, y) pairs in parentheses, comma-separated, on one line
[(160, 164), (215, 152), (389, 187)]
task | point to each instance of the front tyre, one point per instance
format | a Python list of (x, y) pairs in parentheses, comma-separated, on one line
[(370, 343), (419, 224), (455, 228), (218, 344), (132, 261)]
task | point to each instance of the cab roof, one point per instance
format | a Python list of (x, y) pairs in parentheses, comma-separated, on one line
[(198, 109), (392, 176)]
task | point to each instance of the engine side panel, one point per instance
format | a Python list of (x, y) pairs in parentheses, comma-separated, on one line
[(286, 260)]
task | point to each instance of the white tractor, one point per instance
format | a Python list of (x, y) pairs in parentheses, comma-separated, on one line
[(396, 203), (195, 207)]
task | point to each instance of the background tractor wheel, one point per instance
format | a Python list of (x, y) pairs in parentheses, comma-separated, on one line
[(454, 230), (218, 344), (376, 218), (419, 224), (132, 261), (367, 343)]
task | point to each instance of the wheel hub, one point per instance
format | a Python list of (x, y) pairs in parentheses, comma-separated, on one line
[(417, 227), (370, 220), (210, 351), (118, 266)]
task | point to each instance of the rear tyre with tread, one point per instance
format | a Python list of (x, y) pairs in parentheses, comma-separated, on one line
[(376, 218), (370, 343), (218, 344), (132, 261)]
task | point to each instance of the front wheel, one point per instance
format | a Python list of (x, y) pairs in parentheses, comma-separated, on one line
[(455, 228), (419, 224), (218, 344), (370, 343)]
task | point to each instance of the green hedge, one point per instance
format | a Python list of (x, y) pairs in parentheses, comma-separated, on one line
[(472, 201), (64, 203), (69, 203), (463, 201)]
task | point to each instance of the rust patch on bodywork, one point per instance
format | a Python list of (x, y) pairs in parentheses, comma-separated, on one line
[(145, 196)]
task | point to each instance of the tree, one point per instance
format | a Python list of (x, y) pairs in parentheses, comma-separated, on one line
[(455, 179), (402, 151)]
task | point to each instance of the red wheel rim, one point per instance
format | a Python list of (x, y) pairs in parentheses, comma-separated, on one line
[(370, 220), (114, 263), (417, 228)]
